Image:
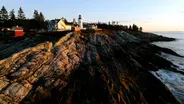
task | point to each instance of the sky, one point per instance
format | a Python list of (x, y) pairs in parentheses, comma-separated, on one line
[(152, 15)]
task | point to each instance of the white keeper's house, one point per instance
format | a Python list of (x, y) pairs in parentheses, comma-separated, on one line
[(59, 25)]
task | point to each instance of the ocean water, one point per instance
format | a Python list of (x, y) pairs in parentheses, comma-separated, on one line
[(174, 81), (177, 46)]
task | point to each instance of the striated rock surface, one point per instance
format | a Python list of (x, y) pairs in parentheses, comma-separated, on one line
[(101, 67)]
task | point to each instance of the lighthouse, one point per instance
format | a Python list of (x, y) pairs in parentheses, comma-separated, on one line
[(80, 22)]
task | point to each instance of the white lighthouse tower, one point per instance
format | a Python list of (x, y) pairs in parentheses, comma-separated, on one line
[(80, 23)]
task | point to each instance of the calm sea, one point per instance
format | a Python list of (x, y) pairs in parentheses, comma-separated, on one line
[(174, 81), (177, 46)]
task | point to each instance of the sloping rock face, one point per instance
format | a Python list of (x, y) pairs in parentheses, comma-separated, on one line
[(85, 68)]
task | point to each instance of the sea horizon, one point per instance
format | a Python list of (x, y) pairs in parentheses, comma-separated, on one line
[(166, 31)]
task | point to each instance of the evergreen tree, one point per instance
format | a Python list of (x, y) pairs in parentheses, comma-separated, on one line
[(21, 14), (1, 19), (135, 27), (4, 14), (42, 18), (36, 15), (130, 27), (140, 29), (12, 15)]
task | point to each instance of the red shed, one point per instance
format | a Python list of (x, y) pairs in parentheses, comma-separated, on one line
[(18, 31)]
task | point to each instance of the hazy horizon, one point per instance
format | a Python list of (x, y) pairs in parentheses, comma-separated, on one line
[(153, 15), (165, 31)]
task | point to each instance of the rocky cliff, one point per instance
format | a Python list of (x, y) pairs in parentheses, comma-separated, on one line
[(102, 67)]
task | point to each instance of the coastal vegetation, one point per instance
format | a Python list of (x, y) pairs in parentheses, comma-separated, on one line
[(134, 27), (9, 19), (38, 21)]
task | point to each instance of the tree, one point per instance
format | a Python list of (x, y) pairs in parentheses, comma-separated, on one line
[(41, 16), (21, 14), (12, 19), (36, 16), (1, 19), (4, 14), (130, 27), (135, 27), (125, 27), (140, 29), (12, 15)]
